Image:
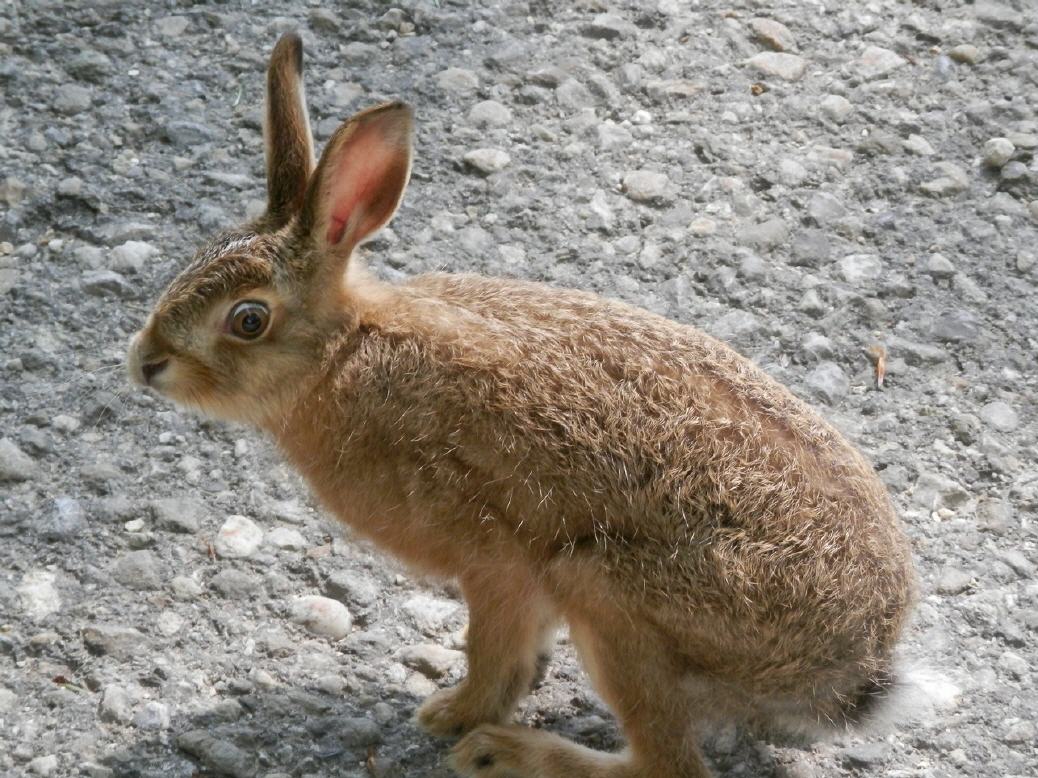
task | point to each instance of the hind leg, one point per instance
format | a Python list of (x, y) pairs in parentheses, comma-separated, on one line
[(639, 679), (508, 645)]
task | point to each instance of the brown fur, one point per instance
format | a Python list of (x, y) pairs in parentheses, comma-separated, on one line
[(716, 548)]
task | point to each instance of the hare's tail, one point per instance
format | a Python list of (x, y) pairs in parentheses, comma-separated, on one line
[(909, 692)]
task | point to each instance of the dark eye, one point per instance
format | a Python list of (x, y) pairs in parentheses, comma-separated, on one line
[(249, 319)]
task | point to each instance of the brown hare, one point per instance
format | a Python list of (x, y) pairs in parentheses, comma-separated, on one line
[(718, 551)]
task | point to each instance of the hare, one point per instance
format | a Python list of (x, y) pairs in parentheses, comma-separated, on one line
[(718, 551)]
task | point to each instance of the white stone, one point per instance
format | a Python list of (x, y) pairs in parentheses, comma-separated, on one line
[(430, 614), (490, 113), (238, 537), (487, 161), (917, 144), (40, 596), (997, 152), (836, 107), (856, 268), (645, 186), (44, 765), (131, 256), (774, 35), (701, 226), (172, 26), (788, 67), (322, 616), (152, 716), (286, 537), (457, 80), (876, 62)]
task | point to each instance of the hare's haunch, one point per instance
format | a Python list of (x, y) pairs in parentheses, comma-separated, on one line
[(717, 549)]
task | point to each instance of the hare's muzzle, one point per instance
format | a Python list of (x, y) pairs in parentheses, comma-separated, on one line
[(142, 366)]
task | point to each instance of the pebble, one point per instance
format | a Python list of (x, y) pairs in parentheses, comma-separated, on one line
[(939, 267), (8, 700), (65, 519), (430, 614), (431, 660), (352, 588), (702, 226), (102, 283), (866, 754), (178, 514), (487, 161), (1000, 415), (131, 256), (72, 99), (185, 134), (1014, 664), (789, 67), (457, 80), (997, 152), (172, 26), (15, 464), (220, 756), (836, 107), (773, 34), (490, 113), (951, 180), (39, 595), (113, 640), (877, 62), (828, 382), (153, 716), (116, 706), (239, 537), (185, 588), (824, 208), (953, 581), (613, 136), (138, 570), (859, 268), (647, 186), (236, 584), (44, 765), (1019, 731), (919, 145), (286, 538), (609, 27), (966, 53), (765, 235), (934, 491), (322, 616)]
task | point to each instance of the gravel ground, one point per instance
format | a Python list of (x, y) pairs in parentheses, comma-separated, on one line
[(808, 180)]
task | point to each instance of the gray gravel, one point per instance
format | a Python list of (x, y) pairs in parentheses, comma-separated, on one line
[(806, 180)]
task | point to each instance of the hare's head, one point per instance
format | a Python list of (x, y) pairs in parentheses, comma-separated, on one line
[(248, 319)]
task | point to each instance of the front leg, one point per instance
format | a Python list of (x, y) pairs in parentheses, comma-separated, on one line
[(508, 645)]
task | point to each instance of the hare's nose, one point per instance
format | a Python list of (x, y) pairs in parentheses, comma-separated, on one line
[(152, 369)]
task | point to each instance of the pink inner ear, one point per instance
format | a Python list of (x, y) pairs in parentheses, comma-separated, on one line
[(365, 185)]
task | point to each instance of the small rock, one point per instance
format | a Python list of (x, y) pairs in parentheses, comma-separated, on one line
[(101, 283), (791, 172), (487, 161), (919, 145), (999, 15), (358, 732), (352, 588), (859, 268), (65, 520), (1014, 664), (431, 660), (574, 95), (966, 53), (172, 26), (828, 382), (458, 80), (952, 180), (137, 570), (236, 584), (115, 706), (113, 640), (1019, 563), (646, 186), (789, 67), (866, 754), (287, 538), (765, 235), (71, 99), (239, 537), (934, 491), (836, 107), (702, 226), (613, 136), (876, 62), (152, 717), (185, 588), (939, 267), (1015, 731), (1000, 415), (430, 614), (824, 208), (609, 27), (185, 134), (490, 113), (44, 765), (178, 514), (322, 616), (772, 34), (132, 255), (38, 593), (953, 581), (997, 152), (15, 464), (221, 756)]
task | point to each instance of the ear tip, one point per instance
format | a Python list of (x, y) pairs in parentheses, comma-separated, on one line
[(289, 46)]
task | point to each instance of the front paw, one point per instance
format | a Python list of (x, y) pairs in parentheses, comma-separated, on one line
[(490, 752), (453, 712)]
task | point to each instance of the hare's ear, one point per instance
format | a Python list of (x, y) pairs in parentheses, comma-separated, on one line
[(359, 181), (286, 133)]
